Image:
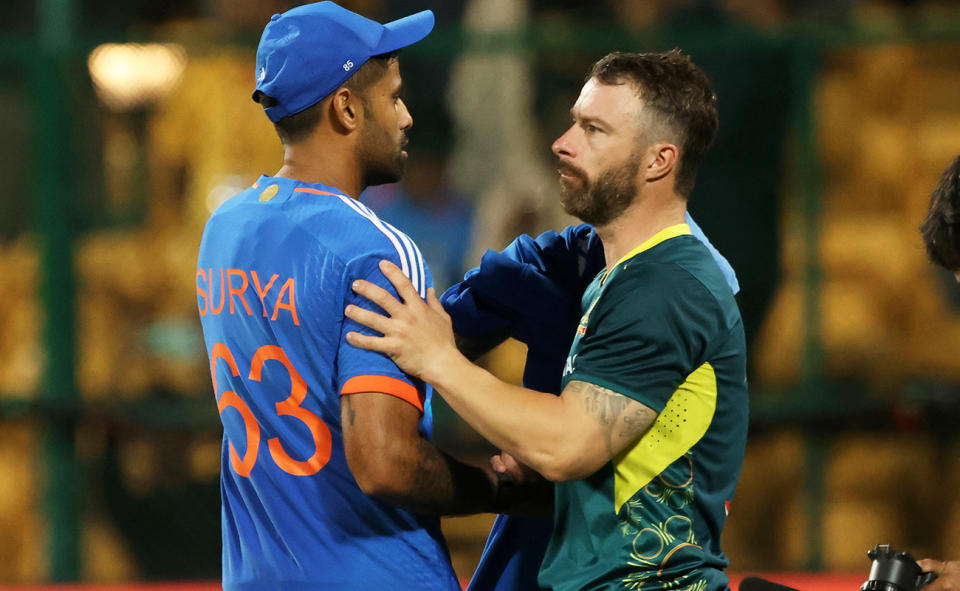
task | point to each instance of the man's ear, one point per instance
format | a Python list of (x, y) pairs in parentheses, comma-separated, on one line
[(661, 160), (346, 110)]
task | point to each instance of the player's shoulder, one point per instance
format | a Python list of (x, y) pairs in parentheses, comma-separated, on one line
[(695, 258), (341, 222), (313, 215), (669, 270), (681, 256), (363, 239), (229, 205), (229, 222), (681, 271), (644, 281), (365, 234)]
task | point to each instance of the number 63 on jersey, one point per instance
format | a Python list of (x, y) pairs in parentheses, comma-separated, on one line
[(290, 407)]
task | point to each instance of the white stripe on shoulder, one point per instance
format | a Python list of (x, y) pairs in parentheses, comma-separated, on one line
[(417, 275), (423, 272), (363, 211), (419, 279), (414, 276)]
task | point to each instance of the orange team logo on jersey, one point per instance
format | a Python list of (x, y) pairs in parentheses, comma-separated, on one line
[(233, 287)]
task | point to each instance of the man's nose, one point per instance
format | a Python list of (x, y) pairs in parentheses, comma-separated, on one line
[(562, 146), (406, 119)]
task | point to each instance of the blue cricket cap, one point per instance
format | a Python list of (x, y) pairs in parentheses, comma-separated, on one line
[(309, 51)]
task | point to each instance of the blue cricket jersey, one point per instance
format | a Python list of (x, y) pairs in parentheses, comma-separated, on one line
[(273, 278)]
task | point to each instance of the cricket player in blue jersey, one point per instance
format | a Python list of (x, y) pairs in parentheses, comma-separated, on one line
[(327, 474)]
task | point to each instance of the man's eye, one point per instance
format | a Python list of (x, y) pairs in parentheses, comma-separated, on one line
[(592, 129)]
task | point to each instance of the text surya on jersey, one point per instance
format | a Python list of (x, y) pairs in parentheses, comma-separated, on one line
[(233, 285)]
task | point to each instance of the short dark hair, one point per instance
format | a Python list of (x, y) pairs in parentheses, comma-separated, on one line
[(941, 228), (296, 127), (679, 91)]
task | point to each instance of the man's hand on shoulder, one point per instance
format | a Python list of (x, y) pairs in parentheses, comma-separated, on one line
[(417, 335)]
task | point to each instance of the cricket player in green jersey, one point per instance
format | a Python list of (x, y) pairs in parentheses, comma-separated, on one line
[(647, 437)]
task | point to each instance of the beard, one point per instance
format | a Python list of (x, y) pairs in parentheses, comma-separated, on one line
[(381, 158), (602, 200)]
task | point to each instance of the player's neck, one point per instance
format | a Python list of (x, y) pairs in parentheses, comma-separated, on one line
[(638, 223), (311, 161)]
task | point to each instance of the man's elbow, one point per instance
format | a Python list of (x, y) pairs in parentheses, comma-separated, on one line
[(375, 483), (563, 467), (381, 476)]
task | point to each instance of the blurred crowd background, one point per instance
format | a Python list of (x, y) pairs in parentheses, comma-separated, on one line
[(126, 123)]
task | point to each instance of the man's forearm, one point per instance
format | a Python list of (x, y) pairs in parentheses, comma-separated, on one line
[(561, 437), (441, 485), (391, 461), (445, 486), (500, 413)]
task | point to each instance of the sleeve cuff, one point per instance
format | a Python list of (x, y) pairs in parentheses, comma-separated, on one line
[(384, 385)]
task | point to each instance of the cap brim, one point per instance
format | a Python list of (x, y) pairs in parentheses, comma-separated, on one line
[(405, 31)]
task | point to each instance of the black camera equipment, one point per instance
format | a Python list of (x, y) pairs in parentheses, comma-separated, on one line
[(891, 571), (894, 571)]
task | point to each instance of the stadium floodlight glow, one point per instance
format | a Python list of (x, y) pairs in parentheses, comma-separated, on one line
[(130, 75)]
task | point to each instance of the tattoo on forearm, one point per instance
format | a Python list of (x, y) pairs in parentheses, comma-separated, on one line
[(625, 419), (638, 422), (606, 405)]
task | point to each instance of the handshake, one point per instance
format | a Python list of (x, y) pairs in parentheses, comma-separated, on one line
[(891, 571)]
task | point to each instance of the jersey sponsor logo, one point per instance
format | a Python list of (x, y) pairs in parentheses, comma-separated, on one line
[(233, 286), (568, 366)]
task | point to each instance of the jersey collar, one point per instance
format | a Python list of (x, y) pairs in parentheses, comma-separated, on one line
[(299, 186), (661, 236)]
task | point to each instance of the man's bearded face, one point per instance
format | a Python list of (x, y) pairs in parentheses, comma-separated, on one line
[(600, 200)]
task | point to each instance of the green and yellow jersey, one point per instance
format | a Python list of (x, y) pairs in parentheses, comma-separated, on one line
[(662, 328)]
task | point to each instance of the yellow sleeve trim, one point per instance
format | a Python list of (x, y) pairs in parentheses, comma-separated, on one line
[(679, 426)]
